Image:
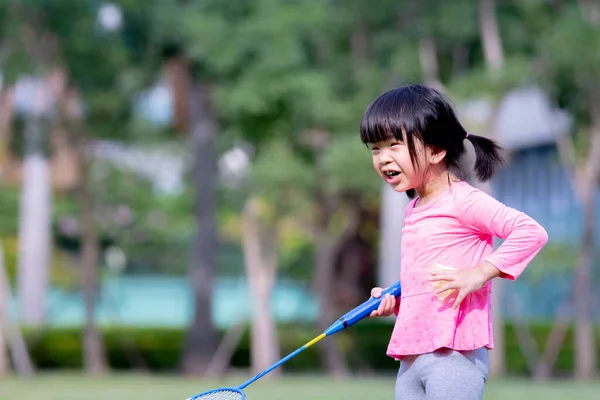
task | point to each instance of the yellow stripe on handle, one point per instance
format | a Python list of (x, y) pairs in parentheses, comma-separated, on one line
[(278, 363), (315, 340)]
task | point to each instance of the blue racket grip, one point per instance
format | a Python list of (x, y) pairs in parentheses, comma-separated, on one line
[(362, 311)]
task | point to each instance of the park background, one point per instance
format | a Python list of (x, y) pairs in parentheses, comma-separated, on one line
[(184, 197)]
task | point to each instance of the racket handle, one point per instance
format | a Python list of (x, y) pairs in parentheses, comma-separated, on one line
[(362, 311)]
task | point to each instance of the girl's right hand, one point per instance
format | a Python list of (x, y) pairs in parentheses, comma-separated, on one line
[(387, 305)]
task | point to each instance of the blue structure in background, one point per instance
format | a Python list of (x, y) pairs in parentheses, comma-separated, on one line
[(536, 183)]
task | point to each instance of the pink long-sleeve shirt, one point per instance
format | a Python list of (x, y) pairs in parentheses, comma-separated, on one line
[(457, 229)]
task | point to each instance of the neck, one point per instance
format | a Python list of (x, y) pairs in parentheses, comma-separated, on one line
[(436, 182)]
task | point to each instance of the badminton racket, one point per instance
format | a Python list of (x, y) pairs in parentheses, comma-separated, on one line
[(345, 321)]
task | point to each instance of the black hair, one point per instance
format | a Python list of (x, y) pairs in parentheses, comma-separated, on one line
[(416, 112)]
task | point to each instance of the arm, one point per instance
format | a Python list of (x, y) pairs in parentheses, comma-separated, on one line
[(523, 237)]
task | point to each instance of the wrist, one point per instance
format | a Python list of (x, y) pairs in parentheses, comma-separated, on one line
[(488, 272)]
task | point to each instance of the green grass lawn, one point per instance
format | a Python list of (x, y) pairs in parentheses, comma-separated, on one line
[(133, 387)]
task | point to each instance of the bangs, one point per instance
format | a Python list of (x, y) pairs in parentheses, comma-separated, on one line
[(381, 122), (395, 111)]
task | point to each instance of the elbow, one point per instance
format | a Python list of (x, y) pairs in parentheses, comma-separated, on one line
[(542, 236), (534, 231), (533, 234)]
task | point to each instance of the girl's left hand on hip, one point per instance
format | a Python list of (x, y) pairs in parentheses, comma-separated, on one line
[(464, 281)]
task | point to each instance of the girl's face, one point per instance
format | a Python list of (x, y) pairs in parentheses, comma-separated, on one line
[(392, 161)]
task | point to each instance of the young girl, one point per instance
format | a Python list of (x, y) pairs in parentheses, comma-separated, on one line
[(442, 341)]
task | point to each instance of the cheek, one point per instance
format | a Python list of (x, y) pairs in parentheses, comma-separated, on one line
[(375, 160), (402, 158)]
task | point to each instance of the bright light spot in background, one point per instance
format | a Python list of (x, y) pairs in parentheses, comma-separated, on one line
[(235, 161), (31, 96), (164, 167), (234, 164), (155, 104), (115, 258), (110, 17)]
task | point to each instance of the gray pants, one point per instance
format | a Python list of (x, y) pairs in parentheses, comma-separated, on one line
[(444, 374)]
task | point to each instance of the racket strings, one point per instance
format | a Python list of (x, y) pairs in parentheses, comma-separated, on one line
[(222, 394)]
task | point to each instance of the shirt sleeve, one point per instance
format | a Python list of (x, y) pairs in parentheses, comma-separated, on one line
[(523, 236)]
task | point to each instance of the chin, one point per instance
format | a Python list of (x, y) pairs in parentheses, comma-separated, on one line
[(401, 188)]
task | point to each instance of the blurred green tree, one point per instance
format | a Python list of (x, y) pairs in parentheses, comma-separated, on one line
[(91, 70)]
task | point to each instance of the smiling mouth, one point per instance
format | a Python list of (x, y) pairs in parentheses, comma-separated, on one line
[(391, 174)]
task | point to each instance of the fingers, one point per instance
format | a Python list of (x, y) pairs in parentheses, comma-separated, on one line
[(386, 306), (442, 276), (461, 296), (376, 292), (447, 286), (391, 305)]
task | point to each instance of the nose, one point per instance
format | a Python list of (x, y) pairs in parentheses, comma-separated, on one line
[(385, 157)]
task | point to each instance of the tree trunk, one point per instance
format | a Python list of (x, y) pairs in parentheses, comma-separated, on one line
[(525, 338), (542, 365), (359, 47), (584, 178), (348, 277), (429, 61), (6, 119), (332, 357), (590, 10), (587, 182), (556, 338), (326, 246), (94, 357), (261, 268), (34, 229), (491, 41), (585, 351), (11, 332), (176, 70), (4, 364), (4, 300), (490, 34), (498, 355), (201, 337), (391, 222), (460, 59)]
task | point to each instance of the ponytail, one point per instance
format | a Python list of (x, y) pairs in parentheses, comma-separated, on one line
[(487, 157)]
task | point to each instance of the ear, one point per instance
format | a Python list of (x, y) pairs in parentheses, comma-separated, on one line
[(435, 156)]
